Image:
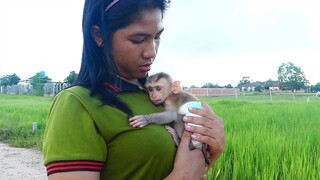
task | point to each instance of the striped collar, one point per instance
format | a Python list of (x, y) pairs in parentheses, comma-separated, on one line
[(126, 86)]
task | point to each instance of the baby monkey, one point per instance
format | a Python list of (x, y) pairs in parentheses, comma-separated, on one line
[(164, 91)]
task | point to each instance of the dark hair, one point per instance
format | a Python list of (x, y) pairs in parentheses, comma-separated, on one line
[(97, 64)]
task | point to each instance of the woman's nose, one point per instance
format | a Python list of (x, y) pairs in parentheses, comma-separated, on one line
[(151, 50)]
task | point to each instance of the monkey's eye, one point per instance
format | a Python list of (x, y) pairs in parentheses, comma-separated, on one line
[(158, 88), (150, 89)]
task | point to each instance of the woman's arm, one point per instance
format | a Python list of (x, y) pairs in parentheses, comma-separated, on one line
[(75, 175), (189, 164)]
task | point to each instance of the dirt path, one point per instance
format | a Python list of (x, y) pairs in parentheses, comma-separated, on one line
[(20, 163)]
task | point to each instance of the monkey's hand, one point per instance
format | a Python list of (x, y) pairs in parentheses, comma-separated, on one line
[(174, 135), (139, 121)]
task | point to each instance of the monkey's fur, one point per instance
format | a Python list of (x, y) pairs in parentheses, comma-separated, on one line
[(163, 91)]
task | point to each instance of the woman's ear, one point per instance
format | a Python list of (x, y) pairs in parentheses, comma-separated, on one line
[(97, 35)]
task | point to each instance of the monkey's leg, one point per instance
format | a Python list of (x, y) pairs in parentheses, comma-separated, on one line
[(204, 151), (174, 135), (205, 154)]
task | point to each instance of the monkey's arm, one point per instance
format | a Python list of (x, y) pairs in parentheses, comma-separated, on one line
[(157, 118)]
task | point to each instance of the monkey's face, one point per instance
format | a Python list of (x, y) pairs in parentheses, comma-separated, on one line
[(159, 91), (155, 94)]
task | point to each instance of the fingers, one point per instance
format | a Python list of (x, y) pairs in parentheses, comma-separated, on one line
[(170, 129), (211, 132), (137, 121), (185, 139), (206, 112), (208, 119), (174, 135)]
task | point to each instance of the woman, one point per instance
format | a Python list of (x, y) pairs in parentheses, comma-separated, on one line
[(88, 135)]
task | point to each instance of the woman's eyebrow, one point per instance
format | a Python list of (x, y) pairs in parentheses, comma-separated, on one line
[(145, 34)]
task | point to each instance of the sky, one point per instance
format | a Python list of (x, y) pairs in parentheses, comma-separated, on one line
[(205, 41)]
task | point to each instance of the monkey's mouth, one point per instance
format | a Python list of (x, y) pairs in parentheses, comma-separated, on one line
[(157, 102)]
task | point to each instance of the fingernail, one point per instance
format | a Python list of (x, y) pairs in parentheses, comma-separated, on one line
[(188, 127)]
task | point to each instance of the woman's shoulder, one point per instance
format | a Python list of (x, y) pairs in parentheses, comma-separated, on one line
[(77, 95), (77, 92)]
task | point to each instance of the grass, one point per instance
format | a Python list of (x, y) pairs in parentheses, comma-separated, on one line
[(267, 138), (17, 114)]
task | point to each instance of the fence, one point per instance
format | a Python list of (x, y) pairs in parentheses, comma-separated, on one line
[(214, 91), (49, 89)]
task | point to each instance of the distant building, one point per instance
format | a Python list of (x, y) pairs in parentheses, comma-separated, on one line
[(275, 87), (249, 87)]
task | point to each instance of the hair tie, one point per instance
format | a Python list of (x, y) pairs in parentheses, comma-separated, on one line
[(110, 5)]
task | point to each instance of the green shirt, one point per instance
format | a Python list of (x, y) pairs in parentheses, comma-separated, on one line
[(82, 135)]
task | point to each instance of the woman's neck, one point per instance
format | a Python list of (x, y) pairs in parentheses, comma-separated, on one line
[(132, 81)]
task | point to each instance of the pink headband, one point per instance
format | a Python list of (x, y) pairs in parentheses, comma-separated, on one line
[(110, 5)]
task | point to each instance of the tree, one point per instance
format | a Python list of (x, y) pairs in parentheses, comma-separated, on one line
[(193, 86), (269, 83), (291, 77), (9, 80), (244, 80), (210, 85), (258, 88), (72, 77), (315, 88), (228, 86), (38, 81), (14, 79), (4, 80)]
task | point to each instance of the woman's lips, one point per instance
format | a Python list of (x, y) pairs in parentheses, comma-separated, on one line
[(145, 67)]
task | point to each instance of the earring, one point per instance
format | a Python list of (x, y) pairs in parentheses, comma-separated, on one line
[(101, 45)]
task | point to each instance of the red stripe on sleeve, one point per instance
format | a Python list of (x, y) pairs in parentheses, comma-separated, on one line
[(79, 165)]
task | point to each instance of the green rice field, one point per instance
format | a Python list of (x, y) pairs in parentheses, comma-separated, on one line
[(268, 137)]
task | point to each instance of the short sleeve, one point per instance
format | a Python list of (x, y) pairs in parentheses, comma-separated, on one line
[(71, 140)]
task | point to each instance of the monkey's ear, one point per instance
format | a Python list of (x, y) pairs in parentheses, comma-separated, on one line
[(176, 87), (97, 35)]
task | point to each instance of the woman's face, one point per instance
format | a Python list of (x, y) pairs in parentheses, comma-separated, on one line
[(135, 47)]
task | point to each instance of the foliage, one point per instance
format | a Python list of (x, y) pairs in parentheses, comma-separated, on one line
[(258, 88), (193, 86), (210, 85), (17, 114), (72, 77), (9, 80), (291, 77), (269, 83), (228, 86), (38, 81), (244, 80), (315, 88), (266, 142)]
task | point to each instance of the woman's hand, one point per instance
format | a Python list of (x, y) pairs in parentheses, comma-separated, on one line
[(189, 164), (212, 132)]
